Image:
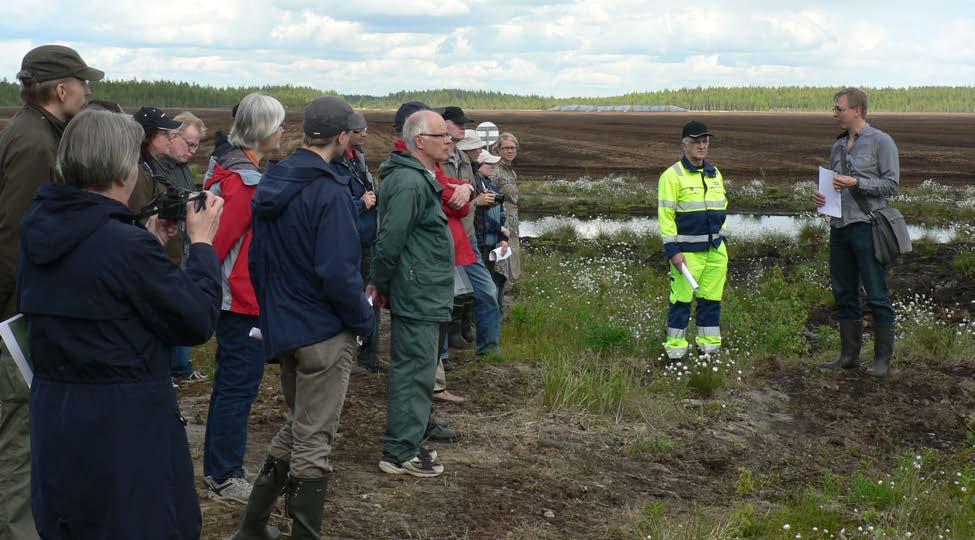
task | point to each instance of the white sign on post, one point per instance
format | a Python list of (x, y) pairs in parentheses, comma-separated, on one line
[(488, 132)]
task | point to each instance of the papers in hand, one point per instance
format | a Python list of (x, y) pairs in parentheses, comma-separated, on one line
[(832, 206), (13, 331), (687, 275), (499, 254), (256, 333)]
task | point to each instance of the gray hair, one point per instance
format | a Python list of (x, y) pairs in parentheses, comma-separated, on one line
[(98, 148), (258, 117), (415, 125), (189, 119)]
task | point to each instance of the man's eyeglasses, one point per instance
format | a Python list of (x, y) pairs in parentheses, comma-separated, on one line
[(509, 147), (192, 146), (444, 136), (839, 110), (360, 131)]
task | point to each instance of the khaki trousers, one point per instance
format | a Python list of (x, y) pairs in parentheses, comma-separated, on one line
[(314, 380), (16, 520)]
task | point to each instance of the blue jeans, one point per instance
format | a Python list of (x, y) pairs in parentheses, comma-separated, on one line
[(240, 368), (851, 262), (179, 364), (486, 312)]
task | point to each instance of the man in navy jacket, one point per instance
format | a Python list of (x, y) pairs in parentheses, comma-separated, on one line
[(304, 264)]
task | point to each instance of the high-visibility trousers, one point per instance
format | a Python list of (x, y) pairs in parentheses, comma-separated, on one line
[(710, 269)]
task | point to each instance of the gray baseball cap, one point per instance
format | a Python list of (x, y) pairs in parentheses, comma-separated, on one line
[(327, 116)]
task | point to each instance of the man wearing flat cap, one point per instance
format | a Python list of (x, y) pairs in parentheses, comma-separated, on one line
[(691, 212), (304, 264), (54, 88)]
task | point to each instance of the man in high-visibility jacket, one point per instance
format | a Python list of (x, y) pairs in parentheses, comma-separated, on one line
[(691, 211)]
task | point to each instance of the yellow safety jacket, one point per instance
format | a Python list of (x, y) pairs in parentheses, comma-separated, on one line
[(691, 207)]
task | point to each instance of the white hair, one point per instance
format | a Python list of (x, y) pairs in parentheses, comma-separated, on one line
[(416, 124), (258, 117)]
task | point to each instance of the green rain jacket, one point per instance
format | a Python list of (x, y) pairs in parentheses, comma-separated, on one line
[(413, 259)]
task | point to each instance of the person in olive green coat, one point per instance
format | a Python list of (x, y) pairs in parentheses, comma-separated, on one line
[(413, 273), (54, 87)]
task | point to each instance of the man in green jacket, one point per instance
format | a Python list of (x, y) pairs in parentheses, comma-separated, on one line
[(413, 273), (54, 87)]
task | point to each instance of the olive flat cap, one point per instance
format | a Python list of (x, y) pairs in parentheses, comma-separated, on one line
[(51, 62)]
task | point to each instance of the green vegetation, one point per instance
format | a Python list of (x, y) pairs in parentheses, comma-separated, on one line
[(745, 98), (930, 202)]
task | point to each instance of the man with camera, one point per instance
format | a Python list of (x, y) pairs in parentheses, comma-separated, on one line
[(304, 264), (54, 88)]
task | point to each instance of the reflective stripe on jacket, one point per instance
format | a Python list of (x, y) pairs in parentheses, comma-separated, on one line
[(691, 208)]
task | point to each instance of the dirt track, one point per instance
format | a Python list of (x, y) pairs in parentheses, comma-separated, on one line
[(779, 147)]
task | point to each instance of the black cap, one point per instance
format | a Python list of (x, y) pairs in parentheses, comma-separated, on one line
[(152, 118), (694, 130), (405, 111), (50, 62), (455, 115), (358, 122), (327, 116)]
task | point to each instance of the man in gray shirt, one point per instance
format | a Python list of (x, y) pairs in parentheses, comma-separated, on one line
[(868, 171)]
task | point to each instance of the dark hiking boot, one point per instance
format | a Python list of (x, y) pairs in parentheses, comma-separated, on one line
[(441, 432), (268, 485), (883, 350), (467, 323), (851, 338), (371, 363), (305, 501)]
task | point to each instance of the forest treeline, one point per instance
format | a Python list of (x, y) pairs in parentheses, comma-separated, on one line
[(743, 98)]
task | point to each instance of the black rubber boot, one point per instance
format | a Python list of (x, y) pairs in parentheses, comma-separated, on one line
[(305, 501), (883, 350), (455, 339), (268, 485), (467, 322), (851, 339)]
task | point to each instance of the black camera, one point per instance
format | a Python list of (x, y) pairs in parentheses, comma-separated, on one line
[(171, 204), (498, 198)]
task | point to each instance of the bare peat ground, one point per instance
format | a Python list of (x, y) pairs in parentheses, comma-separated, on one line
[(524, 472), (776, 147)]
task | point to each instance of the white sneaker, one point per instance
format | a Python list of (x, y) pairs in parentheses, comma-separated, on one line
[(231, 489)]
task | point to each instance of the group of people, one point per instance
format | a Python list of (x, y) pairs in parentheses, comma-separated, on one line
[(291, 263), (121, 261)]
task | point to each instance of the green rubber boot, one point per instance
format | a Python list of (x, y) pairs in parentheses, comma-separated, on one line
[(268, 485), (305, 502), (851, 339)]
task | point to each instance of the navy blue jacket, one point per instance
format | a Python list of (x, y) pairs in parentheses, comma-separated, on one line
[(104, 305), (360, 181), (304, 257)]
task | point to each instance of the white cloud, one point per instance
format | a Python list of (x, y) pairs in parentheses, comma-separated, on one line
[(571, 47)]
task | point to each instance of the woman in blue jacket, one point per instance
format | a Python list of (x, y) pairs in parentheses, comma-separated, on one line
[(105, 305)]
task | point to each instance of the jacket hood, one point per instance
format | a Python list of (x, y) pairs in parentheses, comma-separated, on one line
[(232, 162), (61, 217), (284, 180)]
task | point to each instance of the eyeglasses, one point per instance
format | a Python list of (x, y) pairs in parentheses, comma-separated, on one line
[(700, 140), (192, 146), (444, 136), (839, 110), (509, 147), (360, 131)]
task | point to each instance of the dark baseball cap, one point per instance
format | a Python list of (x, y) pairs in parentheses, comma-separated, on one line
[(151, 118), (694, 130), (327, 116), (405, 111), (455, 115), (52, 62), (358, 122)]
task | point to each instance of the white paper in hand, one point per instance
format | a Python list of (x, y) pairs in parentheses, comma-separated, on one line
[(256, 333), (688, 276), (833, 207), (499, 254)]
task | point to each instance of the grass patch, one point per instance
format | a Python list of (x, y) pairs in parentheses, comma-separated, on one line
[(585, 386), (651, 447)]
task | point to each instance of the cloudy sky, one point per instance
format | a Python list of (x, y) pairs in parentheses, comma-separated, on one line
[(550, 47)]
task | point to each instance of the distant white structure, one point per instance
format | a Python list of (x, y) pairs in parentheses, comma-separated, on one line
[(618, 108)]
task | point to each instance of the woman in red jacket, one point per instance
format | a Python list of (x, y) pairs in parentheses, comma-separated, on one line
[(234, 175)]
